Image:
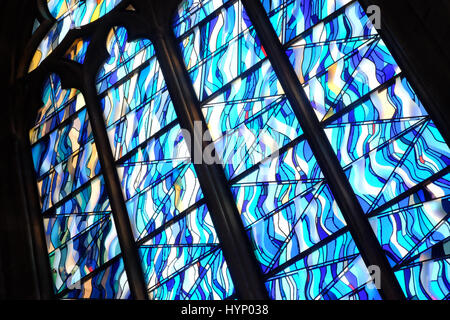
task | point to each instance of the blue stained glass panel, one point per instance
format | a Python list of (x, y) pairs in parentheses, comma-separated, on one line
[(352, 141), (398, 166), (169, 219), (51, 119), (333, 271), (416, 231), (162, 201), (426, 281), (139, 125), (351, 78), (192, 12), (286, 206), (196, 282), (354, 281), (396, 102), (219, 49), (275, 182), (305, 221), (411, 230), (129, 95), (327, 42), (257, 138), (58, 145), (68, 176), (290, 18), (55, 98), (124, 57), (92, 198), (84, 253), (250, 121), (180, 261)]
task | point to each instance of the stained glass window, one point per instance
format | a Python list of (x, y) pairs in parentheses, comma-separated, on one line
[(284, 200), (390, 150), (180, 253), (381, 133), (79, 229)]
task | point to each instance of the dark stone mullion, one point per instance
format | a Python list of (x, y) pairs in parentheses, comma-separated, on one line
[(95, 57)]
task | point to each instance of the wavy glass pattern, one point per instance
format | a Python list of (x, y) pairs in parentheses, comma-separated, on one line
[(80, 233), (427, 280), (185, 255), (381, 133), (77, 51), (219, 47), (250, 120), (335, 271), (180, 253), (110, 283), (191, 12), (124, 57), (291, 18), (296, 214), (415, 233)]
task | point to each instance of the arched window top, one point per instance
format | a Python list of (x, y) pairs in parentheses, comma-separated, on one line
[(118, 44), (69, 14)]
